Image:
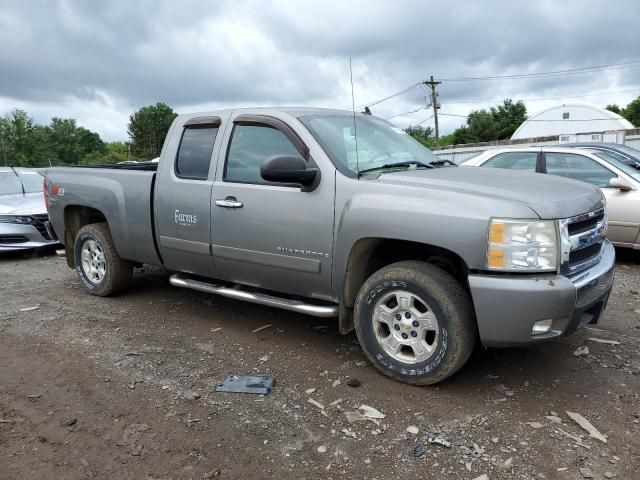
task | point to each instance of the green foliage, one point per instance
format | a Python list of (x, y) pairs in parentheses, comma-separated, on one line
[(632, 112), (426, 136), (614, 108), (148, 128), (497, 123), (62, 142)]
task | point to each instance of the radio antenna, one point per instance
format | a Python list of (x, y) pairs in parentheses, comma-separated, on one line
[(353, 108)]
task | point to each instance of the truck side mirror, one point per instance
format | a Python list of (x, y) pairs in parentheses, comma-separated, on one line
[(620, 184), (289, 169)]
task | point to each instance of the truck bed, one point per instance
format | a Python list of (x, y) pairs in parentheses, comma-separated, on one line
[(123, 194)]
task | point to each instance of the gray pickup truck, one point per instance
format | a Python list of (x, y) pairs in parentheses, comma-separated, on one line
[(332, 214)]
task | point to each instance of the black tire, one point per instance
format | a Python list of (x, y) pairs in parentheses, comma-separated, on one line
[(446, 299), (117, 276)]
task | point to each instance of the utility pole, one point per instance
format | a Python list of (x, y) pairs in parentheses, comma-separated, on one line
[(434, 102)]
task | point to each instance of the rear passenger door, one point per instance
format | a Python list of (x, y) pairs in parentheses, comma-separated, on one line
[(183, 196)]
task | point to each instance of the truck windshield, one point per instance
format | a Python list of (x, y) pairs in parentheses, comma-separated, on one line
[(380, 144)]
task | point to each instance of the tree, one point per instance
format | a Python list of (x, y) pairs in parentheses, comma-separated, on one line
[(614, 108), (632, 112), (148, 128), (497, 123), (25, 143)]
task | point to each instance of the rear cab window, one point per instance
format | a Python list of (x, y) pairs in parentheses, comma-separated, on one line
[(196, 147)]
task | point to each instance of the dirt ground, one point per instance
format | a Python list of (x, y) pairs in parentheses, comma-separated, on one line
[(123, 388)]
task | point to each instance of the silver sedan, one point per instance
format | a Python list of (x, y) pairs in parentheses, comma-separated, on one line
[(619, 181), (23, 214)]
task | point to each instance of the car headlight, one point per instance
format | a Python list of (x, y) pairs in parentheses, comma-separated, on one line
[(21, 219), (522, 245)]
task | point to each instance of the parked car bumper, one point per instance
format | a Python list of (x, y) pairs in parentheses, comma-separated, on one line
[(508, 307), (15, 237)]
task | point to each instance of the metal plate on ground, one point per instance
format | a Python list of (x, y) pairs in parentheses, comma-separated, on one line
[(260, 384)]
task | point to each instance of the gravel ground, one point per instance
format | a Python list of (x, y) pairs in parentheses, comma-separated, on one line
[(123, 388)]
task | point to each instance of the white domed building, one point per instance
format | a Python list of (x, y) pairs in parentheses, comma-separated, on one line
[(570, 119)]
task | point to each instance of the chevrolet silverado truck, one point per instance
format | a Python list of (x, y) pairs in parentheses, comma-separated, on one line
[(336, 214)]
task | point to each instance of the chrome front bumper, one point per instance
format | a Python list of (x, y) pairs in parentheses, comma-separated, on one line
[(508, 306)]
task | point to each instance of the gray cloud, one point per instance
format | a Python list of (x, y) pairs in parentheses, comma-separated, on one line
[(99, 61)]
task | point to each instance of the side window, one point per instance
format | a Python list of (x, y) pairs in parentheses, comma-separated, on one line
[(514, 161), (250, 146), (578, 167), (194, 153)]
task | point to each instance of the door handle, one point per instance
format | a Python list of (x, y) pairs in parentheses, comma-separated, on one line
[(229, 202)]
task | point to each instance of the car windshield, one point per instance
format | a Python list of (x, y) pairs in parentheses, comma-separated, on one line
[(379, 143), (619, 164), (12, 183), (631, 152)]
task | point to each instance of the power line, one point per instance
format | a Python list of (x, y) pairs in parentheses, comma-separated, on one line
[(405, 113), (572, 71), (401, 92), (422, 121)]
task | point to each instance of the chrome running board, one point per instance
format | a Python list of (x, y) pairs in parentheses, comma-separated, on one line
[(179, 280)]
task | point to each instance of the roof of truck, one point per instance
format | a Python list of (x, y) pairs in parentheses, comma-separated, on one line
[(295, 111)]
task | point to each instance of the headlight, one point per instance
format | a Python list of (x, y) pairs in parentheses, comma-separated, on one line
[(15, 219), (522, 245)]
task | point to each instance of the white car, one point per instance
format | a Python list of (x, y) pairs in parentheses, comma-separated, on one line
[(619, 182)]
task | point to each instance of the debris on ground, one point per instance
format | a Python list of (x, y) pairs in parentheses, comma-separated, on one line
[(586, 472), (413, 430), (322, 449), (309, 391), (353, 382), (438, 440), (259, 329), (29, 309), (554, 419), (604, 340), (575, 438), (34, 396), (535, 425), (419, 450), (586, 425), (61, 253), (257, 384), (70, 422), (484, 476), (580, 351), (316, 403), (371, 412)]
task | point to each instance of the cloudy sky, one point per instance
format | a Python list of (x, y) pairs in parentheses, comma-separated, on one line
[(100, 61)]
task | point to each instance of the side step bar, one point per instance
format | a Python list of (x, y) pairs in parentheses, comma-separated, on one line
[(179, 280)]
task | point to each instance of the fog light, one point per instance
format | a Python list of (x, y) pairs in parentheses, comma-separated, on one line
[(542, 326)]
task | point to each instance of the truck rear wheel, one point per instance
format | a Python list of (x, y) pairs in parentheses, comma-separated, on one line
[(415, 322), (98, 264)]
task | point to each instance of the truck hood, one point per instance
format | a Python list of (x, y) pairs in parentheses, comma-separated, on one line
[(548, 196), (28, 204)]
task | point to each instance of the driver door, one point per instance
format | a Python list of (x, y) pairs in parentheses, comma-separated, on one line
[(269, 235)]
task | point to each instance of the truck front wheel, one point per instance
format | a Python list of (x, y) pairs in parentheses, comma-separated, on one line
[(415, 322), (98, 264)]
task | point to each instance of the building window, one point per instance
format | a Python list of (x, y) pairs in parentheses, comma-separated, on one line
[(565, 116)]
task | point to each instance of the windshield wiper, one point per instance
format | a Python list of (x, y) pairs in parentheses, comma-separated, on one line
[(396, 165)]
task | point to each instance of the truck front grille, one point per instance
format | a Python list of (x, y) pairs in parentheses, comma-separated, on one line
[(582, 238)]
